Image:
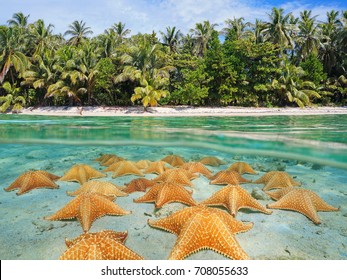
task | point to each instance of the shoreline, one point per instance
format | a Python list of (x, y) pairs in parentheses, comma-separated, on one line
[(179, 111)]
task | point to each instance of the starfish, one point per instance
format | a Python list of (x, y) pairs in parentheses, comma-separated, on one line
[(104, 157), (157, 167), (104, 245), (138, 185), (212, 161), (227, 177), (143, 164), (33, 180), (276, 179), (124, 167), (197, 167), (104, 188), (173, 160), (165, 193), (81, 173), (87, 207), (234, 198), (242, 167), (111, 160), (176, 175), (303, 201), (200, 227)]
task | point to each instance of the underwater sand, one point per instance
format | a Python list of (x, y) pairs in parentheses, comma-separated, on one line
[(281, 235)]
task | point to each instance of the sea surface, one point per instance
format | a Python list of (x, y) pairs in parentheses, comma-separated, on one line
[(312, 149)]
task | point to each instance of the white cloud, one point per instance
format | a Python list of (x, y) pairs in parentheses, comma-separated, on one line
[(147, 15)]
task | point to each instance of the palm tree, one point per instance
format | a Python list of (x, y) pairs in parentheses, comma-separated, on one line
[(78, 31), (236, 28), (309, 35), (11, 55), (202, 34), (329, 49), (120, 30), (40, 36), (291, 86), (145, 64), (12, 98), (258, 28), (278, 29), (19, 20), (42, 73), (171, 38)]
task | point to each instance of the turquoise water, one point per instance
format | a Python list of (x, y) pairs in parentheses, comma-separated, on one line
[(320, 139), (313, 149)]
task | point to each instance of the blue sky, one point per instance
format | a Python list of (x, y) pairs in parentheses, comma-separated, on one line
[(147, 15)]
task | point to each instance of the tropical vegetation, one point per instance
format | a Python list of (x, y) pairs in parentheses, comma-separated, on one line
[(282, 61)]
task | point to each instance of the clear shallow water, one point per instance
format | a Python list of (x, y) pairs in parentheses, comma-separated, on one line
[(313, 149), (320, 139)]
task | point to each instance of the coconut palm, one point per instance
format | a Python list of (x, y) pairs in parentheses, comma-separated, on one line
[(40, 36), (201, 35), (309, 36), (278, 29), (329, 49), (145, 64), (18, 20), (11, 99), (78, 31), (11, 55), (171, 38), (120, 30), (237, 28), (291, 86)]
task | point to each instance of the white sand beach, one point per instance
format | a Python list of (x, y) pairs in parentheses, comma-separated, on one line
[(180, 111)]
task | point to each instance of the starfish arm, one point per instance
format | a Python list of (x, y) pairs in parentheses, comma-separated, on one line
[(218, 198), (249, 202), (69, 211), (320, 204), (175, 221), (149, 196)]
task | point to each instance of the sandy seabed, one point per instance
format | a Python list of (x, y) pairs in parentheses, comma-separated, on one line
[(281, 235), (180, 111)]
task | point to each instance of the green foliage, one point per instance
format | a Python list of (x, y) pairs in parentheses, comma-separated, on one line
[(11, 99), (313, 69), (280, 61)]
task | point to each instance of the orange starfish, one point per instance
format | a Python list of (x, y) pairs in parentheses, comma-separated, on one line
[(234, 198), (139, 185), (104, 245), (212, 161), (111, 160), (303, 201), (87, 207), (157, 167), (173, 160), (200, 227), (166, 193), (276, 179), (242, 167), (124, 167), (104, 157), (176, 175), (104, 188), (81, 173), (227, 177), (197, 167), (143, 164), (33, 180)]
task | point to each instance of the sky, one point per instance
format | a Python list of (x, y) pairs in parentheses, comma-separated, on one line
[(146, 16)]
